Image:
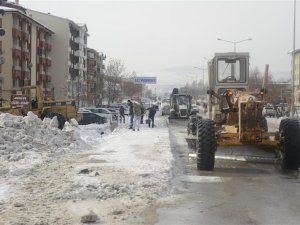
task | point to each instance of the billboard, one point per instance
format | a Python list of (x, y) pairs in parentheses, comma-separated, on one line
[(144, 80)]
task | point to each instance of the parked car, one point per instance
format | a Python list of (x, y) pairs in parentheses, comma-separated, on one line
[(269, 111), (89, 118), (110, 114)]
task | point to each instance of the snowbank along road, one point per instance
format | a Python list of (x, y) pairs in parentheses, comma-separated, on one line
[(81, 174)]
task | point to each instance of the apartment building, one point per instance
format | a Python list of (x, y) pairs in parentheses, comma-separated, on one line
[(95, 72), (26, 47), (69, 56)]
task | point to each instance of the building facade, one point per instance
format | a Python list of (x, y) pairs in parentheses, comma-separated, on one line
[(69, 55), (95, 77), (26, 47)]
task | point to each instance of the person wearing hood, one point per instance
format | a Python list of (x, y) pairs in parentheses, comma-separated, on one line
[(130, 104), (137, 111), (151, 114)]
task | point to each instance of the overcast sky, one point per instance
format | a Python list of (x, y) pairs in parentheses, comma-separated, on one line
[(168, 39)]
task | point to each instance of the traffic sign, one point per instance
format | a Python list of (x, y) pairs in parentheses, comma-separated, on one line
[(144, 80), (286, 92)]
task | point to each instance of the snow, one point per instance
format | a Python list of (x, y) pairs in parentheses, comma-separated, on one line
[(90, 163), (72, 171), (27, 141)]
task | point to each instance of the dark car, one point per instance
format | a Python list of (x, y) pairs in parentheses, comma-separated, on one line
[(89, 118)]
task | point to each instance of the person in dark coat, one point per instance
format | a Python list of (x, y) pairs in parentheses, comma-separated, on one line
[(143, 112), (130, 104), (122, 114), (151, 114)]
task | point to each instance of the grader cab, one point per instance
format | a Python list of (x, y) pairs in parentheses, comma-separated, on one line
[(235, 117)]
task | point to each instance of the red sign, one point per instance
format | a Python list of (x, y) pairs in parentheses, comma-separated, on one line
[(19, 101), (135, 98)]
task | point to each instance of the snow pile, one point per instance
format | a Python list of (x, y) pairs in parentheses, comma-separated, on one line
[(115, 174), (26, 141), (131, 167)]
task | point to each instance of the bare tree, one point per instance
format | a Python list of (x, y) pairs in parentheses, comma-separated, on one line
[(113, 80), (130, 88), (274, 88)]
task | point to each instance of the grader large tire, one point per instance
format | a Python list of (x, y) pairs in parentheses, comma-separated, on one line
[(60, 118), (206, 144), (289, 132)]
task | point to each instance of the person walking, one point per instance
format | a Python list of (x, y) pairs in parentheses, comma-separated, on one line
[(137, 111), (122, 114), (143, 112), (151, 114), (130, 104)]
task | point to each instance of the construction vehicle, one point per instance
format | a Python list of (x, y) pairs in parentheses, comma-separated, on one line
[(234, 116), (180, 105), (30, 98)]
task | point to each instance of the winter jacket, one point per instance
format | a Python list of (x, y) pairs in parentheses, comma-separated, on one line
[(137, 109), (122, 110), (130, 104), (152, 111)]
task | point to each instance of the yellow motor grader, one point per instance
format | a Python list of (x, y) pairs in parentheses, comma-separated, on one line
[(30, 98), (235, 116)]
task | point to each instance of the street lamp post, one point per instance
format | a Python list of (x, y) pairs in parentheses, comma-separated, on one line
[(234, 42), (203, 69), (293, 64)]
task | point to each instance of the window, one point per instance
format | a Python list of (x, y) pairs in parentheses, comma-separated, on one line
[(231, 70)]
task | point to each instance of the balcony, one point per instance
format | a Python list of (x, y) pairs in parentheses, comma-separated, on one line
[(91, 73), (79, 40), (79, 53), (26, 55), (42, 44), (73, 72), (26, 74), (48, 46), (78, 66), (42, 76), (26, 82), (25, 36), (48, 61), (42, 60), (16, 32), (17, 53), (92, 62), (48, 78), (16, 72)]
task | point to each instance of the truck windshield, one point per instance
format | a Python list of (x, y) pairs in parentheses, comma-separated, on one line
[(183, 100), (231, 70)]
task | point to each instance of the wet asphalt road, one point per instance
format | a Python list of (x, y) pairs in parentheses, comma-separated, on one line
[(236, 192)]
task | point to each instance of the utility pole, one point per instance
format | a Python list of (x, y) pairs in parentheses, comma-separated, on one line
[(293, 64)]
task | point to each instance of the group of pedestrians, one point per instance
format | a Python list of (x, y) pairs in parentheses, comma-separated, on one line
[(136, 114)]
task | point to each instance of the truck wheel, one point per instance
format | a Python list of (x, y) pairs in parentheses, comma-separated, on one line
[(60, 118), (289, 132), (206, 144)]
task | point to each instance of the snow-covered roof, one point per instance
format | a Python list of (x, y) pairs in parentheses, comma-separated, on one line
[(8, 9)]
